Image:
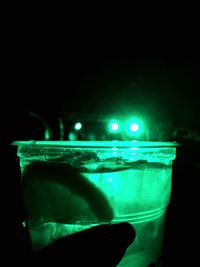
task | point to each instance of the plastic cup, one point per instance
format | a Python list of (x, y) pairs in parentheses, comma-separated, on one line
[(69, 186)]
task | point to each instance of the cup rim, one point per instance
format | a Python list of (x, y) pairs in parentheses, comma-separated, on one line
[(96, 144)]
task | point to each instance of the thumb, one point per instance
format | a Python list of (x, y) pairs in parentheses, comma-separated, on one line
[(103, 245)]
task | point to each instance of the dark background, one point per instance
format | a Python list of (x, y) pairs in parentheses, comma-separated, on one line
[(55, 73)]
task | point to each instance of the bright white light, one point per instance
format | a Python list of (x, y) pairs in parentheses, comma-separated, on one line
[(77, 126), (134, 127), (114, 126)]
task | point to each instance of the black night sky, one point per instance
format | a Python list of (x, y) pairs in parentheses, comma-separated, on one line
[(104, 75)]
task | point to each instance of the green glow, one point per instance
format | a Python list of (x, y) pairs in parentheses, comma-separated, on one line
[(114, 126), (135, 126), (47, 134), (96, 144), (72, 136), (78, 126)]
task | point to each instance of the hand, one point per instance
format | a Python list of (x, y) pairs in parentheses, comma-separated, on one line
[(103, 245)]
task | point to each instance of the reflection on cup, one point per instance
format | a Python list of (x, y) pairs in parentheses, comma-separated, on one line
[(69, 186)]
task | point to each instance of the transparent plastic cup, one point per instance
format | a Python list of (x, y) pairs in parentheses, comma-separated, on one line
[(69, 186)]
